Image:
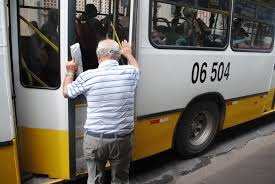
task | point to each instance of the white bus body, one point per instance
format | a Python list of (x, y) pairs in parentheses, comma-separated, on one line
[(186, 94)]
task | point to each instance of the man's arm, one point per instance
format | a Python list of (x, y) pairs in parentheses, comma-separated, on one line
[(126, 51), (71, 70)]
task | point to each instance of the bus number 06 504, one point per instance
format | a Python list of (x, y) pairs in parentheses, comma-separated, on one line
[(218, 72)]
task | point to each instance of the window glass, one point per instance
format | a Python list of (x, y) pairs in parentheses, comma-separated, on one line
[(39, 44), (39, 4), (93, 23), (185, 23), (252, 26)]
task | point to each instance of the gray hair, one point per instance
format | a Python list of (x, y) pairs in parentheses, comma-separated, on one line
[(108, 48)]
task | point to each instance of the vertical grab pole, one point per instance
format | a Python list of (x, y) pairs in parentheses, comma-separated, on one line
[(71, 15), (131, 21), (114, 16)]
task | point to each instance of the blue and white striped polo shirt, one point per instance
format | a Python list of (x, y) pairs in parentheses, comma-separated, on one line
[(110, 92)]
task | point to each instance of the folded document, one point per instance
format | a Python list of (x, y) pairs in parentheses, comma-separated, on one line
[(76, 56)]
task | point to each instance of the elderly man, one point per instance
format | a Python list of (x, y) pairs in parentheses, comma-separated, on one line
[(110, 92)]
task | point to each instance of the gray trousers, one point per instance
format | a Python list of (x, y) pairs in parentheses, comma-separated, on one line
[(117, 151)]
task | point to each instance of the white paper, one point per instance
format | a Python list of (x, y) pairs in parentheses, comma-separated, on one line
[(76, 56)]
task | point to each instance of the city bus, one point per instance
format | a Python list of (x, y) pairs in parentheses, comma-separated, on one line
[(206, 65)]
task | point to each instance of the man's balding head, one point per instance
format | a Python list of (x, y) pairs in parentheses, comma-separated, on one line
[(108, 49)]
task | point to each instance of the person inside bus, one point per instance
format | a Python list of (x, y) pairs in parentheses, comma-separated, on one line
[(177, 15), (185, 29), (89, 32), (89, 16), (194, 30), (110, 92), (240, 37), (159, 34), (38, 56), (121, 26), (266, 42), (49, 29)]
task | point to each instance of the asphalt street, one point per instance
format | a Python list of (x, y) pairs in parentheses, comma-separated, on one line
[(252, 164), (241, 155)]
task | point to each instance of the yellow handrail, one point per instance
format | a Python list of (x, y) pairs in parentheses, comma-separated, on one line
[(46, 40), (41, 35), (29, 72), (116, 35)]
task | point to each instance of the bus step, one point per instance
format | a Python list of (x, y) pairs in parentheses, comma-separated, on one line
[(41, 179)]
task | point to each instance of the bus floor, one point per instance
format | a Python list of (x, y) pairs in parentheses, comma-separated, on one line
[(240, 155)]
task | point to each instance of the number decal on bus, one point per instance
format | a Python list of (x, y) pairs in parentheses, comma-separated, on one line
[(218, 72), (195, 73)]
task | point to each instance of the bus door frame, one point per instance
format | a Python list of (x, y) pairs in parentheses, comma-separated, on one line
[(8, 143), (71, 103), (71, 15), (9, 135)]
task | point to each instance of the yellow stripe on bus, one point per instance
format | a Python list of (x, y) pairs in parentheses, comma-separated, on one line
[(244, 109), (9, 169), (154, 135), (45, 151)]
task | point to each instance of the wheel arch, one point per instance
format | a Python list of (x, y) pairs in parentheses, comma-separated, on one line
[(210, 96)]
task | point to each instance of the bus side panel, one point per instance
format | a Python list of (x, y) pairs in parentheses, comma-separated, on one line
[(45, 151), (154, 135), (269, 101), (243, 110), (9, 171), (167, 75), (171, 78)]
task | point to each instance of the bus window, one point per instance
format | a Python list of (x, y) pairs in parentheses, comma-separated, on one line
[(186, 24), (38, 44), (252, 27), (93, 23)]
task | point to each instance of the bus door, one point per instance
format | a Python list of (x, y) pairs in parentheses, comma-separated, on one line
[(38, 53), (94, 21), (9, 171)]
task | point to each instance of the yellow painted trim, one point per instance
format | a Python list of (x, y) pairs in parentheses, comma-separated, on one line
[(9, 167), (151, 137), (268, 112), (44, 151), (243, 110), (269, 101)]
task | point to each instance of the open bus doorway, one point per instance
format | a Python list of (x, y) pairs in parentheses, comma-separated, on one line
[(95, 20)]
